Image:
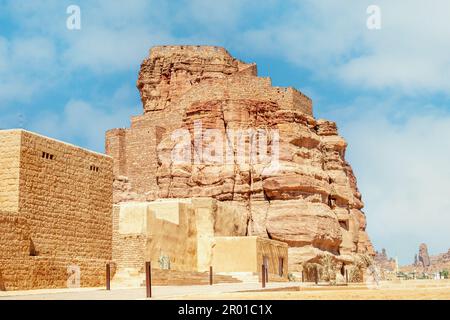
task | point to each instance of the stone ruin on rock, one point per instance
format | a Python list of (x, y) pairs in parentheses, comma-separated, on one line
[(311, 201)]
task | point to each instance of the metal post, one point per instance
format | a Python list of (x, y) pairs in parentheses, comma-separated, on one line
[(210, 275), (263, 276), (108, 276), (346, 275), (303, 276), (316, 276), (148, 278)]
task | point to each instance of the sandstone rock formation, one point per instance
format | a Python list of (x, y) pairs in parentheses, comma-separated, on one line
[(383, 261), (424, 258), (310, 200), (423, 262), (441, 259)]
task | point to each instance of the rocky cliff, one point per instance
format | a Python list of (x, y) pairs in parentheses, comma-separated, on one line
[(212, 128), (384, 262), (423, 262)]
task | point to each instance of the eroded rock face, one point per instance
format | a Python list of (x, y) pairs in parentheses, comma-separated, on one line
[(383, 261), (424, 258), (298, 188)]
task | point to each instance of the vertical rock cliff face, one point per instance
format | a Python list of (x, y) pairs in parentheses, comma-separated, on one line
[(212, 128), (424, 258)]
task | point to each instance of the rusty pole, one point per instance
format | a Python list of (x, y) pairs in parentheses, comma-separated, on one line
[(108, 276), (316, 276), (148, 278), (346, 276), (210, 275), (303, 276), (263, 276)]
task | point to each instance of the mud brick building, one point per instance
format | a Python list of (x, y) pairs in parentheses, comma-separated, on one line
[(55, 212), (184, 237)]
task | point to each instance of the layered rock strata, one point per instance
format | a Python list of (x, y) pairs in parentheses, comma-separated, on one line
[(212, 128)]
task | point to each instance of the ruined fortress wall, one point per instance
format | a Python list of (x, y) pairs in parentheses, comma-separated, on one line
[(115, 147), (136, 160), (9, 170), (67, 199)]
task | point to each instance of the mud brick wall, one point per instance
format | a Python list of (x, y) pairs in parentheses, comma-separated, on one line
[(63, 215), (67, 200), (49, 272), (128, 250), (15, 238), (273, 250), (9, 170)]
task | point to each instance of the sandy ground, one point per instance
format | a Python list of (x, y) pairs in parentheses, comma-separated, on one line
[(389, 290), (398, 290)]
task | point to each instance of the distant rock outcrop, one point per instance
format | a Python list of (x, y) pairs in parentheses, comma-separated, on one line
[(423, 262), (382, 260), (424, 258)]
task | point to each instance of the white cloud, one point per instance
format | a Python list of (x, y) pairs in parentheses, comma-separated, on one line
[(404, 176), (411, 52), (84, 122), (26, 67)]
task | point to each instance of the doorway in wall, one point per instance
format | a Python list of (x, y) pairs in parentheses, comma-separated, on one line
[(280, 266), (266, 265)]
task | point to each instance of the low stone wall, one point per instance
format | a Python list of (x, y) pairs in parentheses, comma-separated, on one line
[(47, 272)]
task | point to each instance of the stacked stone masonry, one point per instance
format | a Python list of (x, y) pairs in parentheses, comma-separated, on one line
[(56, 212)]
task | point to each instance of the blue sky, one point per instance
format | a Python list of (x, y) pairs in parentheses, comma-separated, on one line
[(388, 89)]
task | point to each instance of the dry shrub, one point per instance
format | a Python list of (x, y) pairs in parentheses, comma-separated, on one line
[(361, 263), (328, 268)]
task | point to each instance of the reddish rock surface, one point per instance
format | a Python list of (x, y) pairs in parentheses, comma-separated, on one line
[(423, 262), (384, 262), (311, 201), (424, 258)]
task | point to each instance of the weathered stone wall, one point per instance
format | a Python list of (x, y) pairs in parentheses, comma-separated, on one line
[(273, 251), (67, 200), (147, 231), (9, 170), (64, 214), (181, 229), (15, 241), (246, 254)]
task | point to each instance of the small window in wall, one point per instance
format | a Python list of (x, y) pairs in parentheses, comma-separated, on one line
[(331, 202), (280, 266), (47, 155), (94, 168)]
